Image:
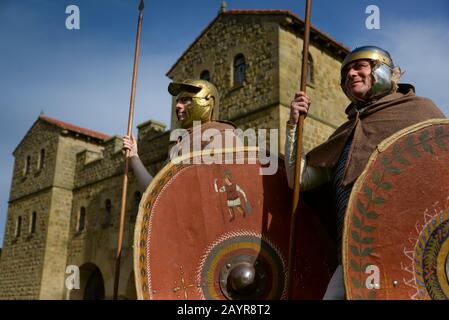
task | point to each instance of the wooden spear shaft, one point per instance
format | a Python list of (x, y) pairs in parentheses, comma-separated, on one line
[(125, 176), (299, 130)]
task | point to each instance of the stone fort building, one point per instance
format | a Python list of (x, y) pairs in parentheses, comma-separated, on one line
[(65, 194)]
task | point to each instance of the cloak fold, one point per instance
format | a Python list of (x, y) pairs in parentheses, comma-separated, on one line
[(370, 126)]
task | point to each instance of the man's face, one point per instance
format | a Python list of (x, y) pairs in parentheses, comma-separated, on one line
[(181, 105), (358, 79)]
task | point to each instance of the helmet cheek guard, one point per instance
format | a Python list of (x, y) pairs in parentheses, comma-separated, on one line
[(382, 84)]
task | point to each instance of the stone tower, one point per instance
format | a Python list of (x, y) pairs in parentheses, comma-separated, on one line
[(35, 246)]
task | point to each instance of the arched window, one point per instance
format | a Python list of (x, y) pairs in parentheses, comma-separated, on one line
[(33, 222), (107, 213), (41, 159), (239, 69), (205, 75), (310, 71), (135, 209), (18, 226), (82, 220)]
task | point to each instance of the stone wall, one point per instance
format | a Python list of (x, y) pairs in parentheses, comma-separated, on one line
[(35, 263), (56, 243), (97, 243), (41, 136), (153, 144), (23, 257), (328, 100), (99, 180)]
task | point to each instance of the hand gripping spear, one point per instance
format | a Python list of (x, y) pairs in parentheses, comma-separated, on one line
[(299, 129), (125, 176)]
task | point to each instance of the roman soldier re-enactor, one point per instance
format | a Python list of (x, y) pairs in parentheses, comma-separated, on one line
[(196, 100), (234, 194), (380, 106)]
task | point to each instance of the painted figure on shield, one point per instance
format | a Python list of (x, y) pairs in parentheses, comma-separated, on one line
[(236, 197)]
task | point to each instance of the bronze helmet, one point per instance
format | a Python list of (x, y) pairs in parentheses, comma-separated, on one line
[(383, 70), (205, 100)]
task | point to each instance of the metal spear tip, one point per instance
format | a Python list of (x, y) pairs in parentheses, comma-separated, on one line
[(142, 5)]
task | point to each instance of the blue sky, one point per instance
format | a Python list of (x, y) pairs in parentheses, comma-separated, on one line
[(84, 76)]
